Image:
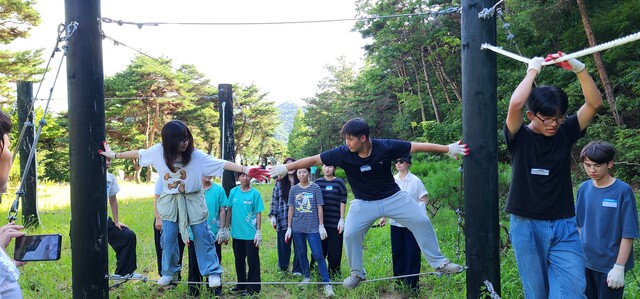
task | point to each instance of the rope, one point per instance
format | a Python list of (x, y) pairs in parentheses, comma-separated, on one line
[(13, 212), (587, 51), (146, 279)]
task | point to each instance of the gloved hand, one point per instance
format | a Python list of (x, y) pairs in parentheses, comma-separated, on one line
[(274, 222), (457, 148), (256, 173), (279, 170), (223, 235), (257, 239), (535, 64), (107, 151), (615, 278), (322, 231), (571, 64), (287, 235), (340, 226)]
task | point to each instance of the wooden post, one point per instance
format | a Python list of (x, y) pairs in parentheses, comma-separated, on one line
[(25, 122), (479, 131), (225, 96), (85, 86)]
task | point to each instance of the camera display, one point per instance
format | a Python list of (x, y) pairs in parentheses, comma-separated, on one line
[(38, 248)]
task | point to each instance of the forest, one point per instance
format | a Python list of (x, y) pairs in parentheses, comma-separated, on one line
[(409, 88)]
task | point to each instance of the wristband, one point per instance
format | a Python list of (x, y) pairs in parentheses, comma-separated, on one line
[(115, 156)]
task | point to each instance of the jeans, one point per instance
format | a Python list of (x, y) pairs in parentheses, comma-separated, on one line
[(194, 272), (549, 257), (203, 241), (157, 236), (400, 207), (332, 250), (316, 251), (284, 254)]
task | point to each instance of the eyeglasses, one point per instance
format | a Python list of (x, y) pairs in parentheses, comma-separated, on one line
[(400, 161), (548, 121), (598, 166)]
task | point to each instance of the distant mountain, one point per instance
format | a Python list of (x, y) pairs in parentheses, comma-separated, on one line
[(286, 112)]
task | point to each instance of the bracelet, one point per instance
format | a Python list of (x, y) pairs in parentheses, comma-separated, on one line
[(115, 156)]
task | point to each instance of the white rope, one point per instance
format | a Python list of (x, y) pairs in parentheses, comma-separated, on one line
[(587, 51)]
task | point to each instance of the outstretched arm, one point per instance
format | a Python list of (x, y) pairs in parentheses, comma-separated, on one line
[(282, 169), (454, 149)]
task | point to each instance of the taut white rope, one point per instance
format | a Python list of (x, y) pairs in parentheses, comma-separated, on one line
[(587, 51)]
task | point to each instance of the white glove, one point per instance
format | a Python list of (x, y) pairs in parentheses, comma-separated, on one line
[(223, 235), (535, 64), (322, 231), (257, 239), (382, 222), (457, 148), (273, 221), (279, 171), (340, 226), (615, 278), (287, 235)]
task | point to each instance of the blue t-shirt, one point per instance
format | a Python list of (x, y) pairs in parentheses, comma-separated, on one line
[(370, 178), (305, 203), (244, 208), (605, 216)]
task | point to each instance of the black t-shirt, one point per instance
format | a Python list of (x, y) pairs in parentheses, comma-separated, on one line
[(370, 178), (541, 185)]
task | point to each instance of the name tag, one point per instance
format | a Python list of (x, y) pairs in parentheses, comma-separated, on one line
[(365, 168), (609, 203), (329, 188), (539, 171)]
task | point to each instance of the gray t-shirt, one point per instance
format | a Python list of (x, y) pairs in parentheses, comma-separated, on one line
[(305, 203)]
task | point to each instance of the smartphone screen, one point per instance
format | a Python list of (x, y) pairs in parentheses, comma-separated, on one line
[(38, 248)]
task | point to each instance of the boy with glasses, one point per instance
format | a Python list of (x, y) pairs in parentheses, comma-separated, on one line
[(607, 219), (543, 230)]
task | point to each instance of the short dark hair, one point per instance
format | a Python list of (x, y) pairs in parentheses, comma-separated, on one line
[(598, 151), (173, 133), (548, 101), (355, 127)]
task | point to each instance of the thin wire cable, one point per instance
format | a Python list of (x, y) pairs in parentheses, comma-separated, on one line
[(587, 51), (13, 212), (142, 24)]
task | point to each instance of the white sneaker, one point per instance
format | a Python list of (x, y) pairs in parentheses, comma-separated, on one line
[(352, 281), (304, 282), (214, 281), (297, 274), (165, 280), (328, 291), (449, 268)]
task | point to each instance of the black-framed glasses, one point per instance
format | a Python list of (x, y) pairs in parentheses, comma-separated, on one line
[(400, 161), (548, 121)]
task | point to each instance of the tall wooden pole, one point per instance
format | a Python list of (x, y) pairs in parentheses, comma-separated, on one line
[(85, 86), (225, 96), (25, 122), (479, 131)]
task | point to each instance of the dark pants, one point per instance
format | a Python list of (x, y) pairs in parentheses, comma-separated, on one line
[(405, 254), (247, 254), (597, 286), (194, 271), (284, 254), (332, 251), (156, 236), (123, 243)]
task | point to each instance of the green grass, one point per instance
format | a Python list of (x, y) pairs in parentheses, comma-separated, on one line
[(53, 279)]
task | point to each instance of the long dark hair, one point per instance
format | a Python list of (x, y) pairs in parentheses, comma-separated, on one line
[(285, 184), (5, 128), (173, 133)]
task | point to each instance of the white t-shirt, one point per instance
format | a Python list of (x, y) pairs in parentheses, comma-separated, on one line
[(9, 274), (112, 185), (186, 179), (414, 186)]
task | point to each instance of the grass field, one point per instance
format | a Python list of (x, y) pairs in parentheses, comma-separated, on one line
[(53, 279)]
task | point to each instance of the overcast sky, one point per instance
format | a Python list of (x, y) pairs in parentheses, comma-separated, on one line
[(287, 61)]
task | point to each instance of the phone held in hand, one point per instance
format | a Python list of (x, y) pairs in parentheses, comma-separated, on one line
[(38, 248)]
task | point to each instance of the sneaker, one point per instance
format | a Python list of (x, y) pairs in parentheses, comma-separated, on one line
[(328, 291), (214, 281), (449, 268), (238, 290), (165, 280), (352, 281), (297, 274), (304, 282), (135, 275)]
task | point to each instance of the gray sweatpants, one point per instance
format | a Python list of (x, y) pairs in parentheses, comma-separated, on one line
[(400, 207)]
